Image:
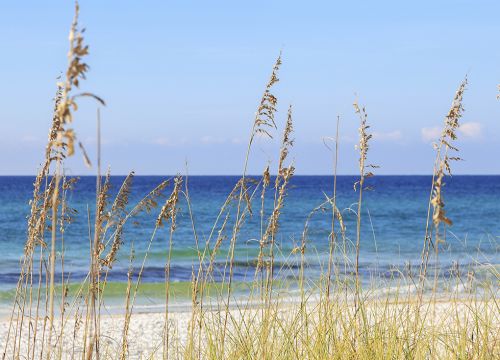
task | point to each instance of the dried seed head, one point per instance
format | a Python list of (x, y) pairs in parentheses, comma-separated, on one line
[(453, 116), (286, 143), (149, 202), (169, 210), (448, 135), (117, 217), (101, 214), (264, 117), (438, 215), (121, 199), (102, 198), (76, 71), (115, 246), (363, 145), (266, 178), (272, 227)]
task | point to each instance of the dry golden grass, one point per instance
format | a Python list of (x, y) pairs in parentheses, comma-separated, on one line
[(332, 317)]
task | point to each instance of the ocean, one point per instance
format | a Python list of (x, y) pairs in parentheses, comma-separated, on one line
[(392, 233)]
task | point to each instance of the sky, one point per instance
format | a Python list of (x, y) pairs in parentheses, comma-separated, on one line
[(182, 81)]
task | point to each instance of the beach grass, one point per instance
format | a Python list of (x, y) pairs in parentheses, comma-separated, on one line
[(415, 315)]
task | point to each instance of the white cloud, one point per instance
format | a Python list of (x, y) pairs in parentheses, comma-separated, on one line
[(430, 134), (165, 141), (471, 129), (237, 140), (388, 136), (207, 140), (162, 141)]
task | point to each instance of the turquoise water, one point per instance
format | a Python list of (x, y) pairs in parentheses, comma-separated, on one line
[(394, 215)]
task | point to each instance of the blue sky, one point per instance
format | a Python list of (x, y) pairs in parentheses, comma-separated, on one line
[(182, 80)]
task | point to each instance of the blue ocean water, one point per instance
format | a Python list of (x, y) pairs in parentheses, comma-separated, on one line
[(393, 227)]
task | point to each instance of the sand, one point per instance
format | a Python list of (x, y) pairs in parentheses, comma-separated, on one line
[(146, 330)]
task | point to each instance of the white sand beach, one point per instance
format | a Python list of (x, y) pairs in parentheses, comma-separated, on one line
[(146, 328)]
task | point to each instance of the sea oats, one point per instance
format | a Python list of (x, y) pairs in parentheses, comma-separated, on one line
[(441, 166), (264, 117), (322, 325), (169, 209), (363, 146)]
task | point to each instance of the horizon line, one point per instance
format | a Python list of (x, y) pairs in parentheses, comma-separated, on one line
[(252, 175)]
